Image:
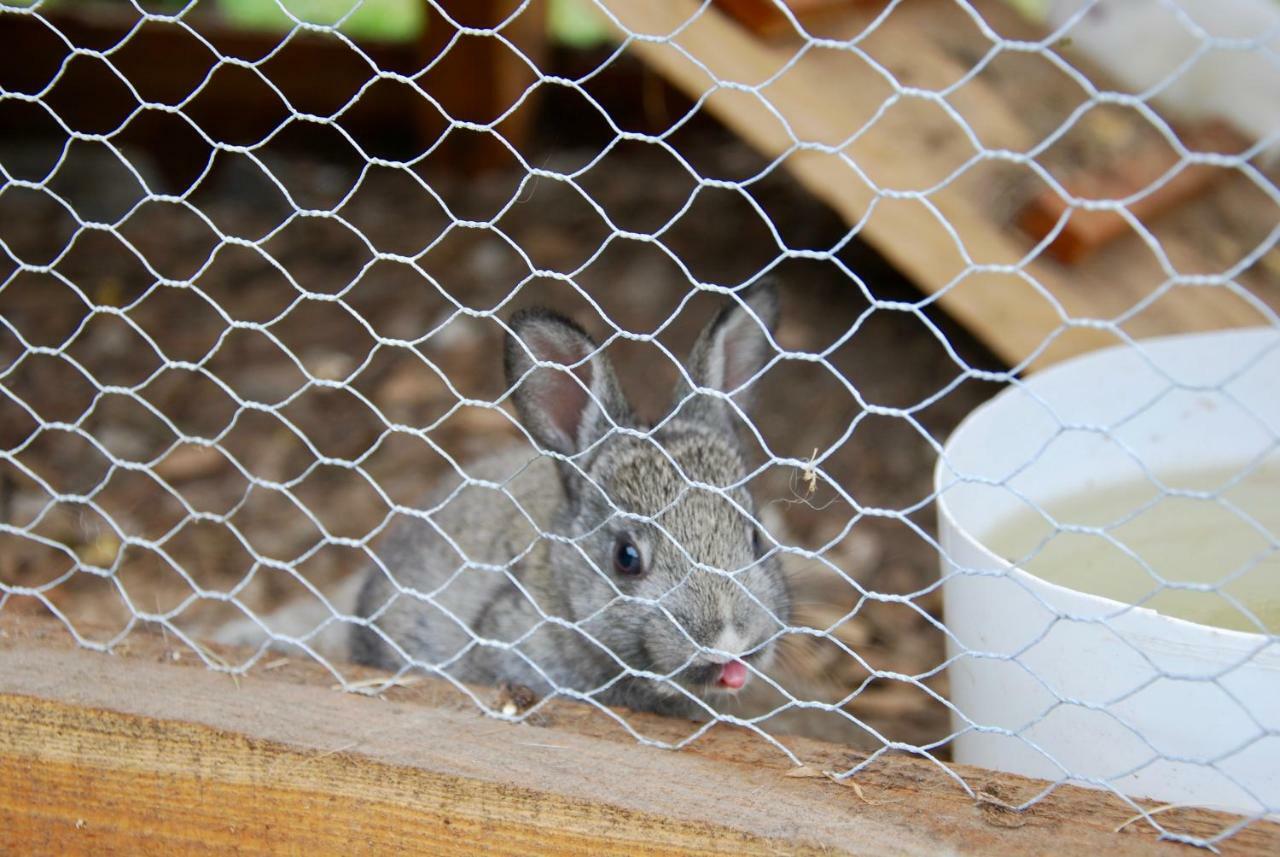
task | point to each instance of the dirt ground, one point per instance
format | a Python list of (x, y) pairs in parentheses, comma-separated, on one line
[(129, 344)]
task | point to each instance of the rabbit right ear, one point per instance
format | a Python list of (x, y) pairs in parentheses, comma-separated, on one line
[(730, 352), (569, 406)]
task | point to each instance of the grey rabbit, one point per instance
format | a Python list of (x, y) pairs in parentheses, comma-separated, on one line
[(604, 572)]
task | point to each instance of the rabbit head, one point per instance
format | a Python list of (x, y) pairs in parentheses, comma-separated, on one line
[(658, 557)]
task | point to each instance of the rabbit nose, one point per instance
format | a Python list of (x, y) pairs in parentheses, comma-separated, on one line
[(733, 675)]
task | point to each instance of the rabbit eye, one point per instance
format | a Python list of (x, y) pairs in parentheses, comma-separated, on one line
[(755, 542), (626, 558)]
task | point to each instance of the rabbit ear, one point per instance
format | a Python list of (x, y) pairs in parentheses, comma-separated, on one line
[(730, 351), (570, 406)]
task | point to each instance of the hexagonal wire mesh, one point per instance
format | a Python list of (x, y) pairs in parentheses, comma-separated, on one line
[(231, 377)]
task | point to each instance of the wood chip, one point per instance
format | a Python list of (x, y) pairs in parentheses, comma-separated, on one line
[(190, 461), (1000, 813), (515, 699), (857, 789), (412, 383), (101, 552), (806, 772), (377, 686), (1157, 810)]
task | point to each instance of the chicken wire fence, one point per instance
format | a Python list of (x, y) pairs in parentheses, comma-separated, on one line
[(218, 424)]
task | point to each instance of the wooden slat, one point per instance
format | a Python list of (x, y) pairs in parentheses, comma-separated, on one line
[(480, 78), (139, 753), (764, 16), (1086, 232), (826, 96)]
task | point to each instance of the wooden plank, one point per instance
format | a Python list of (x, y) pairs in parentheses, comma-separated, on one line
[(479, 78), (765, 16), (832, 97), (141, 753), (132, 785)]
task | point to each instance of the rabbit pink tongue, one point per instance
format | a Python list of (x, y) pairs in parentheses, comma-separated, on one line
[(733, 675)]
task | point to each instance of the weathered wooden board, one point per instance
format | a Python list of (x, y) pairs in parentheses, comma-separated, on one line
[(141, 753), (958, 238)]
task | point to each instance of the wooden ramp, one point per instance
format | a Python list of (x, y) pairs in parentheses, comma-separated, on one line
[(906, 171)]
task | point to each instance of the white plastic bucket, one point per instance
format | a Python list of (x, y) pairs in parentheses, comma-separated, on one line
[(1149, 705)]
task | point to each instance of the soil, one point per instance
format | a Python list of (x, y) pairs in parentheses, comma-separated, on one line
[(214, 404)]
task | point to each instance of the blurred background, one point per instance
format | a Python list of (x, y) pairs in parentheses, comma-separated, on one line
[(253, 254)]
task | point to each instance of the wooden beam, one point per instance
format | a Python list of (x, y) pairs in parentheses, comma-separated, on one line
[(479, 78), (833, 97), (767, 19), (146, 751)]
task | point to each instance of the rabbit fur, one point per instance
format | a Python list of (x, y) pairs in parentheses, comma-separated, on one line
[(512, 576)]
